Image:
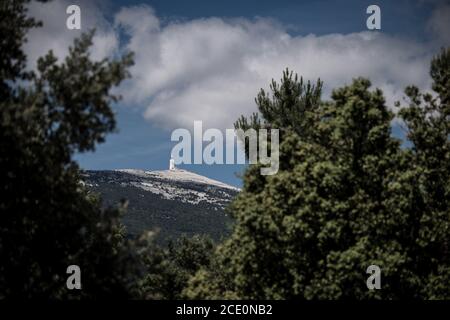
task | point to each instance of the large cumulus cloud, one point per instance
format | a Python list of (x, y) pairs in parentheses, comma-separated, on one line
[(211, 69)]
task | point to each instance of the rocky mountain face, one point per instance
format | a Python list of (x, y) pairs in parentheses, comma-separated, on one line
[(175, 202)]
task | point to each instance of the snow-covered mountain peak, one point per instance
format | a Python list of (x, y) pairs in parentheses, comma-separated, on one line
[(178, 175), (176, 201)]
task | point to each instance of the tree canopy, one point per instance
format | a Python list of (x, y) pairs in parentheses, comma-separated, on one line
[(48, 220), (348, 195)]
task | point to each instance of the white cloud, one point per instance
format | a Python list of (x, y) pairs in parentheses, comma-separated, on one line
[(55, 35), (211, 69)]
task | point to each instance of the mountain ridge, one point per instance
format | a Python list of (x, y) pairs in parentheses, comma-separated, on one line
[(176, 202)]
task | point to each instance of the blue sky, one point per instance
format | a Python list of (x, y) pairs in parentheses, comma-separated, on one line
[(406, 17), (206, 60)]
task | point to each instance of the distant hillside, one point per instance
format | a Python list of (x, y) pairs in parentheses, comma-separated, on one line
[(177, 202)]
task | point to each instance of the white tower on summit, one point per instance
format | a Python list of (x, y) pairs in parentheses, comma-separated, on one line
[(171, 164)]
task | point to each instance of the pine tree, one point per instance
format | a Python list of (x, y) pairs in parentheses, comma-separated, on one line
[(48, 220), (347, 196)]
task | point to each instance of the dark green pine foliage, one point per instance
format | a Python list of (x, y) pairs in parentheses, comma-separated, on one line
[(169, 269), (347, 196), (426, 181), (47, 219)]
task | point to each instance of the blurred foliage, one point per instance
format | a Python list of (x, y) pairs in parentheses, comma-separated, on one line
[(170, 268), (348, 195), (48, 221)]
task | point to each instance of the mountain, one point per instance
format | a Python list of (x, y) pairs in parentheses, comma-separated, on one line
[(176, 202)]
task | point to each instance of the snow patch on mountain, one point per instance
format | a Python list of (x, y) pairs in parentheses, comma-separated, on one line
[(178, 175), (176, 202), (176, 184), (177, 193)]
